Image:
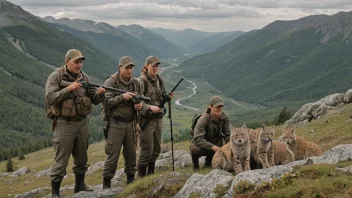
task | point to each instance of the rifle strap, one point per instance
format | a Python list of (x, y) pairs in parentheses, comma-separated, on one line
[(161, 84), (115, 76)]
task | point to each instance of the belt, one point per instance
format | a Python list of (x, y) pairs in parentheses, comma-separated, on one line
[(74, 119), (116, 120)]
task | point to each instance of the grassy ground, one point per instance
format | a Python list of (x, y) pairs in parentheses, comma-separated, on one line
[(328, 131), (322, 180), (42, 160)]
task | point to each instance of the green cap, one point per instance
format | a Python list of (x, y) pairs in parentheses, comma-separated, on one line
[(74, 54), (152, 60), (216, 101), (126, 61)]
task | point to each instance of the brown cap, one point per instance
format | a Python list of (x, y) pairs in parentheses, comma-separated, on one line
[(216, 101), (74, 54), (126, 61), (152, 59)]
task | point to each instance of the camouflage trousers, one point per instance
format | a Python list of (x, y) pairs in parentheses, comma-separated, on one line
[(150, 140), (198, 152), (70, 137), (120, 134)]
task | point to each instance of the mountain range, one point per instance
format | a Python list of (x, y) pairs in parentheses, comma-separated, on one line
[(30, 51), (286, 62), (156, 43), (132, 40), (213, 42), (182, 38)]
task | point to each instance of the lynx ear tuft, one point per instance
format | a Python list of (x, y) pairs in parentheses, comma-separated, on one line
[(294, 131)]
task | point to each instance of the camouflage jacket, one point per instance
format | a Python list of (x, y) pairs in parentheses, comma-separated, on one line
[(155, 90), (118, 107), (208, 132), (56, 94)]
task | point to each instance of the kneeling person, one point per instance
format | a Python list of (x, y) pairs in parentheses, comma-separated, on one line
[(212, 128)]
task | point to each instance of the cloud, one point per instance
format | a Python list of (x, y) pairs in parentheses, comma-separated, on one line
[(152, 10), (245, 14), (203, 4), (61, 3), (135, 9), (311, 4)]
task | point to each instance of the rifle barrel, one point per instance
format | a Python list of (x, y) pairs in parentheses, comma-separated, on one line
[(117, 90), (176, 85), (106, 88), (84, 83)]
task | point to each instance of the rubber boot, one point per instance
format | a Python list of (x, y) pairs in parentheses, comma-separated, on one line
[(80, 185)]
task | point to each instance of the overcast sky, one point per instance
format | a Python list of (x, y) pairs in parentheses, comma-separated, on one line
[(206, 15)]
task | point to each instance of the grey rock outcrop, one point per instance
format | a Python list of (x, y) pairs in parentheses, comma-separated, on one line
[(20, 171), (32, 193), (316, 109), (204, 184), (97, 192), (177, 154), (182, 159), (43, 173), (346, 169), (336, 154), (17, 173), (96, 166), (348, 96)]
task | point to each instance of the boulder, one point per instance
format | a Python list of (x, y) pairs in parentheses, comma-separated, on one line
[(43, 173), (32, 193), (346, 169), (17, 173), (205, 184), (96, 166), (348, 96), (182, 159), (316, 109), (98, 192)]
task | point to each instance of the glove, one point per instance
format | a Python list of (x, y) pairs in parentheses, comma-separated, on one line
[(167, 97)]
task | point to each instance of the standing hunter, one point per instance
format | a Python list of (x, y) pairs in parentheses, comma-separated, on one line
[(152, 86), (120, 112), (69, 106), (211, 129)]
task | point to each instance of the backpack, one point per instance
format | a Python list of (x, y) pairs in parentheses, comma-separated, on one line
[(195, 120), (48, 109), (194, 123), (145, 84)]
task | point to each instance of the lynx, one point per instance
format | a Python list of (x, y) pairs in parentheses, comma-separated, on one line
[(262, 150), (234, 156), (300, 147), (282, 154)]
